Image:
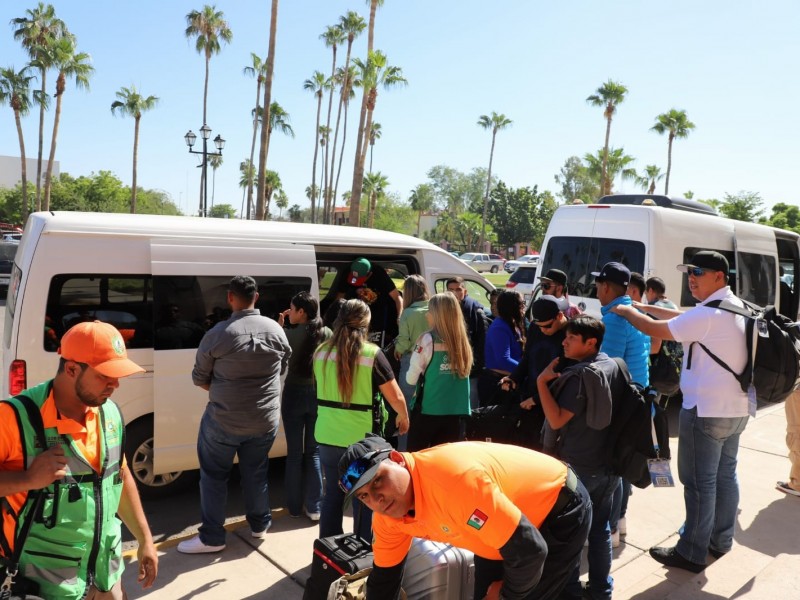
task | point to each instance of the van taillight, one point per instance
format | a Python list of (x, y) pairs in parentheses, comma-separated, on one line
[(511, 284), (17, 377)]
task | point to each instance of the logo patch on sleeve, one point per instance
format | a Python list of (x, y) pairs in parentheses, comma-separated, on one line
[(477, 519)]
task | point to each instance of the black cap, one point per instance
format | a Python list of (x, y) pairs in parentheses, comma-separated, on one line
[(556, 276), (360, 462), (707, 259), (547, 308), (615, 273)]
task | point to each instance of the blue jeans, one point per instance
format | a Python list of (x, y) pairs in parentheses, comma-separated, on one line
[(408, 393), (299, 412), (216, 449), (619, 506), (330, 522), (707, 449), (601, 491)]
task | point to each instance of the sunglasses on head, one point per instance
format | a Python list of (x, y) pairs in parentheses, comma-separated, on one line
[(696, 271), (356, 469)]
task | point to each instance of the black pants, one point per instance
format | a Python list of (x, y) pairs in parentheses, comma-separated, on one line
[(432, 430), (565, 534)]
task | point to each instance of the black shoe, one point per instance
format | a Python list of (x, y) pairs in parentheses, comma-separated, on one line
[(669, 557), (716, 553)]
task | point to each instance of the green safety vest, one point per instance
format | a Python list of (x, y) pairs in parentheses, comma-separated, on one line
[(338, 425), (76, 540), (445, 393)]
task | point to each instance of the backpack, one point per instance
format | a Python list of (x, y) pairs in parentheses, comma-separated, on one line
[(665, 368), (773, 351)]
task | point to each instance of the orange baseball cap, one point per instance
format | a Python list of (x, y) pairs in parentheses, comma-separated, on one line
[(100, 346)]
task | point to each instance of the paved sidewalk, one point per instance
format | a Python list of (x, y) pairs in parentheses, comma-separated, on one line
[(764, 563)]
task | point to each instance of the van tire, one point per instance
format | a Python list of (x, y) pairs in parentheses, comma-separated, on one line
[(495, 269), (139, 454)]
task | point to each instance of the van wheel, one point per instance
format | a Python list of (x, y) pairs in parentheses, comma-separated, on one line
[(139, 454), (495, 269)]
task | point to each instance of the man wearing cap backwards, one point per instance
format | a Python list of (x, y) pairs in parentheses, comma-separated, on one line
[(554, 283), (523, 514), (240, 362), (714, 412), (372, 284), (83, 473)]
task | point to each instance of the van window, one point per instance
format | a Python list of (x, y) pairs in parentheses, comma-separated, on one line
[(756, 273), (578, 257), (474, 290), (686, 297)]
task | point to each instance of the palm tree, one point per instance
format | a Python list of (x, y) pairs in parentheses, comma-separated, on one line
[(421, 200), (273, 183), (616, 162), (131, 103), (608, 95), (374, 72), (334, 36), (324, 138), (374, 184), (281, 201), (257, 70), (263, 151), (352, 24), (215, 161), (75, 65), (280, 119), (247, 175), (495, 123), (374, 134), (15, 91), (316, 85), (648, 180), (679, 126), (38, 30)]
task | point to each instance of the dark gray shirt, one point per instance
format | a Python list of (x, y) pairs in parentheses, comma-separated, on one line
[(242, 360)]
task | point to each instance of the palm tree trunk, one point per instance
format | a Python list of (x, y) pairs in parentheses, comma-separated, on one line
[(373, 205), (314, 165), (135, 163), (56, 120), (669, 164), (261, 212), (329, 164), (319, 196), (652, 189), (365, 150), (605, 185), (341, 156), (23, 167), (336, 132), (486, 197), (253, 146), (41, 144)]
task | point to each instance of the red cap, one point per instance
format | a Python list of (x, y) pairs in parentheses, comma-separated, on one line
[(100, 346)]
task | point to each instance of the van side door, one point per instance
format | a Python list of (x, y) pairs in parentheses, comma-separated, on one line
[(756, 263)]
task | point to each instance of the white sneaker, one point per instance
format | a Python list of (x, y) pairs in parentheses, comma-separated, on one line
[(622, 525), (314, 516), (260, 535), (196, 546), (615, 538)]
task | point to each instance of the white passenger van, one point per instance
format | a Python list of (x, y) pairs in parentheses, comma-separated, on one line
[(653, 234), (162, 281)]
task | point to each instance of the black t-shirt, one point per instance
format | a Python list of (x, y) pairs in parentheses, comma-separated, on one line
[(375, 292), (381, 372)]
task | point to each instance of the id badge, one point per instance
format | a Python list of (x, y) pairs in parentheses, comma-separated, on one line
[(752, 403), (660, 472)]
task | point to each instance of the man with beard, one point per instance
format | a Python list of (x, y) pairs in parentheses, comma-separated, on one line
[(61, 450)]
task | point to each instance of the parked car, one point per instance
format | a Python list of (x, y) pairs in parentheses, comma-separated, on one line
[(483, 262), (8, 249), (511, 265), (521, 280)]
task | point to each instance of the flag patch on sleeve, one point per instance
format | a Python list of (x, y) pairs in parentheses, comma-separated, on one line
[(477, 519)]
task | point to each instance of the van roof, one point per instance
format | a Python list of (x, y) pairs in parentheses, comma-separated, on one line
[(659, 200), (169, 226)]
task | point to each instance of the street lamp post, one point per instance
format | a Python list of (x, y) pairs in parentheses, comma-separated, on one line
[(219, 142)]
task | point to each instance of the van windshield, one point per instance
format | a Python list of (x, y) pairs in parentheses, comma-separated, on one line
[(578, 257)]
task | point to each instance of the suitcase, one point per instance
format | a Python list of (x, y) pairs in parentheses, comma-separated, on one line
[(437, 571), (333, 557)]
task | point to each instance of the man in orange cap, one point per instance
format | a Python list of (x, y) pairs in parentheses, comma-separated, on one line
[(63, 475)]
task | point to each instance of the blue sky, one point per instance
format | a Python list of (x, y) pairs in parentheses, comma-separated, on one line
[(733, 66)]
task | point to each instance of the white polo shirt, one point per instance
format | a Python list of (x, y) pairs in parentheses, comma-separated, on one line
[(707, 386)]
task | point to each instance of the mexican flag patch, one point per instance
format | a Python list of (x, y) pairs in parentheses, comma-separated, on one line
[(477, 519)]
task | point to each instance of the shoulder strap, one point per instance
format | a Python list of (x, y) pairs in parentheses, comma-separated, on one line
[(730, 307)]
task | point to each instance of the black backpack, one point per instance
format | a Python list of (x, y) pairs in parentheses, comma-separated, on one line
[(665, 368), (773, 351)]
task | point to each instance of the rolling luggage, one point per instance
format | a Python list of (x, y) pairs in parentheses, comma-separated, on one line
[(333, 557), (436, 571)]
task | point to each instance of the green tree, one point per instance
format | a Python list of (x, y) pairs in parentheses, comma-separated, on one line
[(648, 180), (38, 31), (222, 211), (785, 216), (457, 192), (316, 84), (374, 186), (392, 214), (375, 72), (70, 64), (15, 91), (272, 184), (616, 163), (215, 162), (374, 135), (608, 96), (281, 201), (495, 123), (677, 125), (422, 200), (258, 70), (130, 103), (520, 215), (295, 213), (261, 200), (576, 182), (744, 206)]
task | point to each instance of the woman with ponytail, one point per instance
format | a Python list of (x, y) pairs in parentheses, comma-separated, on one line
[(350, 372)]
